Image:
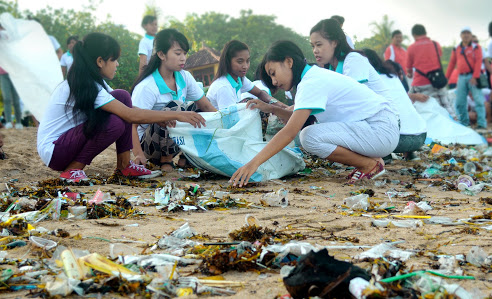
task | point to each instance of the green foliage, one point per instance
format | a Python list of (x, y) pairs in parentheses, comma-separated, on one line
[(381, 38), (63, 23), (257, 31)]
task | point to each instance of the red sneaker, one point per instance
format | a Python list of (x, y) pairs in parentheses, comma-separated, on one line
[(74, 176), (377, 171), (139, 171)]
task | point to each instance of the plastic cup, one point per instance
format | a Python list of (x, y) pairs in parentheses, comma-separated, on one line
[(43, 243), (464, 181)]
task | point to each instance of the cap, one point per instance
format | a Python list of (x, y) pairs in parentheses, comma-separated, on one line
[(466, 28)]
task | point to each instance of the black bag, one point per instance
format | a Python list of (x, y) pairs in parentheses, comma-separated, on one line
[(482, 81), (436, 77)]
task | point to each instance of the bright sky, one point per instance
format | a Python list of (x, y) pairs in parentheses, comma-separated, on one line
[(443, 19)]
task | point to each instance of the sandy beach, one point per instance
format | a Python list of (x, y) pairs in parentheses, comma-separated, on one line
[(315, 211)]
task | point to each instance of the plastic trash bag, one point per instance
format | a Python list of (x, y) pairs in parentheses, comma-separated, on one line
[(35, 73), (231, 139), (441, 127)]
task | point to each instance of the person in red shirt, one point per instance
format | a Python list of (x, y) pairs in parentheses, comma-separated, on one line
[(467, 57), (397, 53), (422, 56)]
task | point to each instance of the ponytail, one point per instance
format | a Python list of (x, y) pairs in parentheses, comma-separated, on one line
[(85, 80)]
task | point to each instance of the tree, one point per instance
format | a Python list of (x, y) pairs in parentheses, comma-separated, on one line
[(257, 31), (381, 38)]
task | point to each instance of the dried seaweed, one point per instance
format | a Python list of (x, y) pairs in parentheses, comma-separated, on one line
[(221, 262), (264, 235)]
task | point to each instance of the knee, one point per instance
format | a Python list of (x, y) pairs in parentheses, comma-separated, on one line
[(122, 96), (307, 140), (116, 125)]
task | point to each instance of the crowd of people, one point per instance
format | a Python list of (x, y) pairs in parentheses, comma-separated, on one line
[(349, 106)]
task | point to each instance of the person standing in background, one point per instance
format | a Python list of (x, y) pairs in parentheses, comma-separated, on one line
[(397, 53), (424, 55), (10, 97), (67, 58), (149, 23)]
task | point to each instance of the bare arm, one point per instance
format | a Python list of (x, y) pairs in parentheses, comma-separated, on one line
[(64, 71), (142, 63), (265, 97), (279, 141), (282, 113), (137, 149), (205, 105), (59, 53), (488, 65), (144, 116)]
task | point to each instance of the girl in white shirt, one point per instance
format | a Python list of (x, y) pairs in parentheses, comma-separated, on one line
[(413, 130), (165, 85), (356, 126), (331, 51), (231, 81), (83, 118)]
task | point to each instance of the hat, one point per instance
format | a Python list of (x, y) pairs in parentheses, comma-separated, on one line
[(466, 28)]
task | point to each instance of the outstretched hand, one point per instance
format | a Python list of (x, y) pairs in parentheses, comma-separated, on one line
[(193, 118), (242, 175), (259, 104)]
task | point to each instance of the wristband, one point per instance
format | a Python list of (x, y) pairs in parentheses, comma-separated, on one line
[(273, 101)]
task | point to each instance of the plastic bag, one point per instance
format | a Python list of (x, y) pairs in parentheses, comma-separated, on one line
[(35, 74), (231, 139)]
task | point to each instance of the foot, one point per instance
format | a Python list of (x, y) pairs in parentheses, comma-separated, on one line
[(183, 162), (375, 172), (74, 176), (19, 126), (167, 166), (139, 171), (8, 125)]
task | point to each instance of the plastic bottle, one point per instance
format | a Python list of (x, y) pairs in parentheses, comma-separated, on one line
[(357, 202), (464, 181), (469, 167), (476, 256)]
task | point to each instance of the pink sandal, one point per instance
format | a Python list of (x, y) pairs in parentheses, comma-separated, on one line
[(377, 171)]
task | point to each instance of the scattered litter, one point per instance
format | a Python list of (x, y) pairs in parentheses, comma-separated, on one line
[(276, 199)]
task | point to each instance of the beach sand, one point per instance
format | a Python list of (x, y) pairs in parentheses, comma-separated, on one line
[(314, 210)]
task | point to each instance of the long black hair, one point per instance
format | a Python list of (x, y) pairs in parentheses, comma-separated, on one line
[(163, 41), (84, 74), (278, 52), (331, 30), (378, 64), (229, 51)]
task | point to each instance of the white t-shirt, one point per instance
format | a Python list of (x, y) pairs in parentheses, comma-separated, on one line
[(260, 85), (350, 42), (225, 91), (66, 60), (55, 43), (146, 45), (411, 123), (57, 119), (336, 98), (358, 67), (152, 93), (489, 50)]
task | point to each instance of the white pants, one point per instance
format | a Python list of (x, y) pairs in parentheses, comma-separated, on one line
[(376, 136)]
